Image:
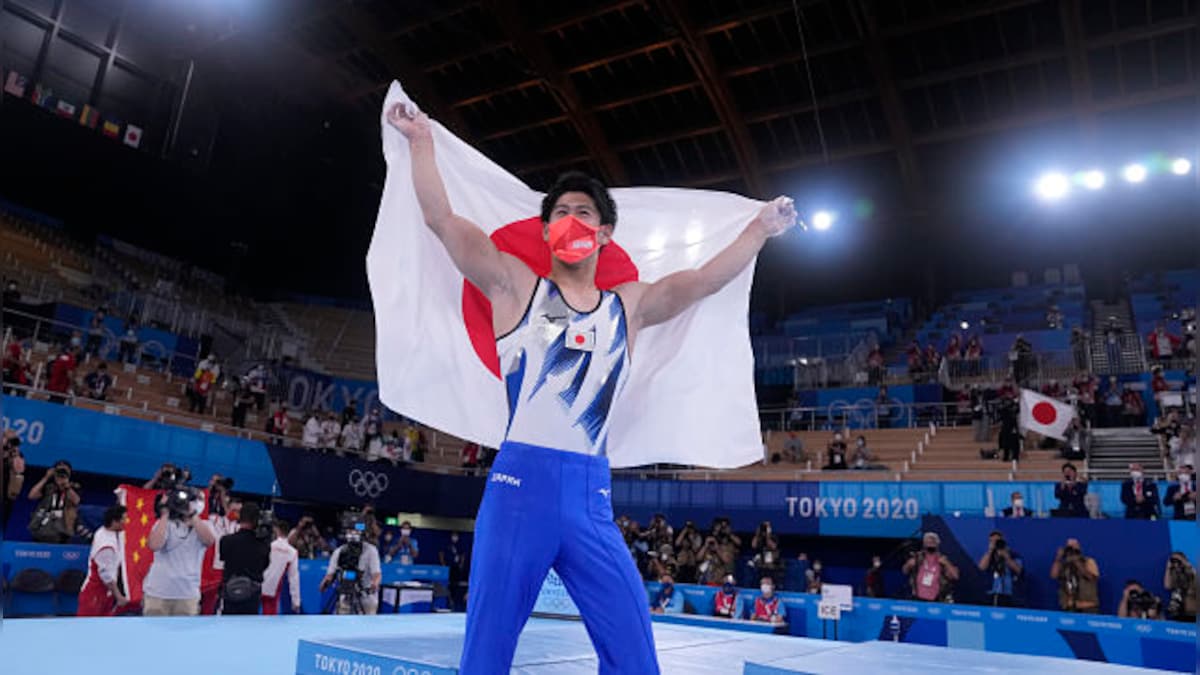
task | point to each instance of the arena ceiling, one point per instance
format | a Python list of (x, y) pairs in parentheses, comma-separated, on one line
[(728, 94)]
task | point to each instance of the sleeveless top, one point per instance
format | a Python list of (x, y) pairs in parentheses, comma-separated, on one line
[(563, 368)]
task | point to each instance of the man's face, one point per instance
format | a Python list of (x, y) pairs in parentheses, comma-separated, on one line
[(1073, 546), (929, 542), (667, 580), (583, 207), (1069, 474)]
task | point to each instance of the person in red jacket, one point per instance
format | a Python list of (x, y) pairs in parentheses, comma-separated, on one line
[(62, 374), (725, 604), (101, 594), (1162, 344)]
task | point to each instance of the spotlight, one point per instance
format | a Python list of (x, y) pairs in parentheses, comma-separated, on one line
[(1052, 186), (1134, 173), (1094, 179), (1180, 166), (964, 325), (823, 220)]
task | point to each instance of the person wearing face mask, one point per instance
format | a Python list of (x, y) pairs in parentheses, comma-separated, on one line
[(1070, 493), (836, 453), (769, 560), (711, 568), (812, 577), (1139, 495), (1005, 566), (930, 573), (454, 557), (768, 607), (405, 547), (873, 583), (1181, 495), (1017, 509), (725, 603), (667, 600), (564, 337), (862, 459)]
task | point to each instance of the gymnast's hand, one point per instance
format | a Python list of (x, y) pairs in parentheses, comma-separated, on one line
[(778, 216), (410, 121)]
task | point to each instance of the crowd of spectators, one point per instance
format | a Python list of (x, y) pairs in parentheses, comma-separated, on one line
[(720, 558)]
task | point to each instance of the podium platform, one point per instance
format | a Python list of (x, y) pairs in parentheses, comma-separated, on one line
[(556, 646)]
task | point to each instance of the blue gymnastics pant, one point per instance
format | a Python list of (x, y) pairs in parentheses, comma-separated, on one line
[(545, 508)]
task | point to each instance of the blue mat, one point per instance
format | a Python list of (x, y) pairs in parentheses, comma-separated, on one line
[(264, 645)]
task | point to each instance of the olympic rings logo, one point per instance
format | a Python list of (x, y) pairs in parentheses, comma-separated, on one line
[(368, 483)]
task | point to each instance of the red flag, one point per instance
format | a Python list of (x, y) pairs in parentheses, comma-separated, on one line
[(137, 555)]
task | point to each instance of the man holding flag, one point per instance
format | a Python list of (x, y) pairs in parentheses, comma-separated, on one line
[(564, 334)]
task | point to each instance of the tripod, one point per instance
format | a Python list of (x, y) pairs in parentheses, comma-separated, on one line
[(347, 592)]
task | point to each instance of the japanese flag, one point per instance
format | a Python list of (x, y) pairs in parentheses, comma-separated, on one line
[(689, 398), (1044, 415)]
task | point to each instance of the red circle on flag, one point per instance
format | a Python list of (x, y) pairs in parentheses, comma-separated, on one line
[(579, 339), (1044, 413)]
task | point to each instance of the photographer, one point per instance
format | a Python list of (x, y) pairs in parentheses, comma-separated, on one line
[(687, 547), (1138, 603), (218, 495), (1180, 581), (246, 555), (1078, 577), (1070, 493), (179, 539), (761, 536), (1005, 566), (930, 573), (13, 477), (307, 540), (168, 477), (355, 568), (53, 519), (712, 567)]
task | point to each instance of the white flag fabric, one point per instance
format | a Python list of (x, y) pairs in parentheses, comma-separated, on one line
[(690, 395), (1045, 415)]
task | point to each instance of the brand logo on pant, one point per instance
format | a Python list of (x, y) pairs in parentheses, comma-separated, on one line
[(506, 479), (368, 483), (605, 492)]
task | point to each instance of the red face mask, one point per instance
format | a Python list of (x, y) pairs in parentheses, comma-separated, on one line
[(572, 240)]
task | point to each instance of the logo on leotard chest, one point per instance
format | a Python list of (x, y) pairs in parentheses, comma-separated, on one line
[(506, 479)]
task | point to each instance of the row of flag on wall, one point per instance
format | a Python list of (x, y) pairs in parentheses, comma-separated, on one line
[(17, 85)]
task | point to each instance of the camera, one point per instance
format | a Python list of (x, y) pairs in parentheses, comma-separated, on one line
[(62, 472), (1141, 601), (1001, 544), (179, 500), (264, 529)]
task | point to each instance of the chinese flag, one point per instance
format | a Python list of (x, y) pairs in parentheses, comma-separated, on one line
[(137, 555)]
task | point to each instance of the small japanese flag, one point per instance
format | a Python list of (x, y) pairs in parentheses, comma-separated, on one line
[(1044, 415), (581, 340)]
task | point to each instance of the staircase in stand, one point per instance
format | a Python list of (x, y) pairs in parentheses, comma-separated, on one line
[(1113, 450)]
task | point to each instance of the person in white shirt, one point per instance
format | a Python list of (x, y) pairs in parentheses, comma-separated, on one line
[(311, 436), (331, 432), (172, 586), (352, 437), (284, 560)]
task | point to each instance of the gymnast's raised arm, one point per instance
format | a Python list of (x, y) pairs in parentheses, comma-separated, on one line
[(505, 280)]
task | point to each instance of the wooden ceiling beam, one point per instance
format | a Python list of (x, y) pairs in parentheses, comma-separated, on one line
[(533, 47), (716, 87)]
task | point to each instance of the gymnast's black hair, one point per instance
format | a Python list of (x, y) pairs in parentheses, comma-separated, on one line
[(576, 181), (114, 514)]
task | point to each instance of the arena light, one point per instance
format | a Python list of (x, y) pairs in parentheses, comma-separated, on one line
[(1052, 186), (1094, 179), (1180, 166), (1134, 173), (964, 325), (823, 220)]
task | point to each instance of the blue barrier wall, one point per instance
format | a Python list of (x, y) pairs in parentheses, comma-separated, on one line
[(1123, 549), (16, 556), (1151, 644), (875, 509), (337, 480), (95, 442)]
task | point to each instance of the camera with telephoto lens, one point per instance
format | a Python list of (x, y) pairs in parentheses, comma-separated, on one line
[(354, 531), (1141, 601), (264, 529), (179, 502)]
